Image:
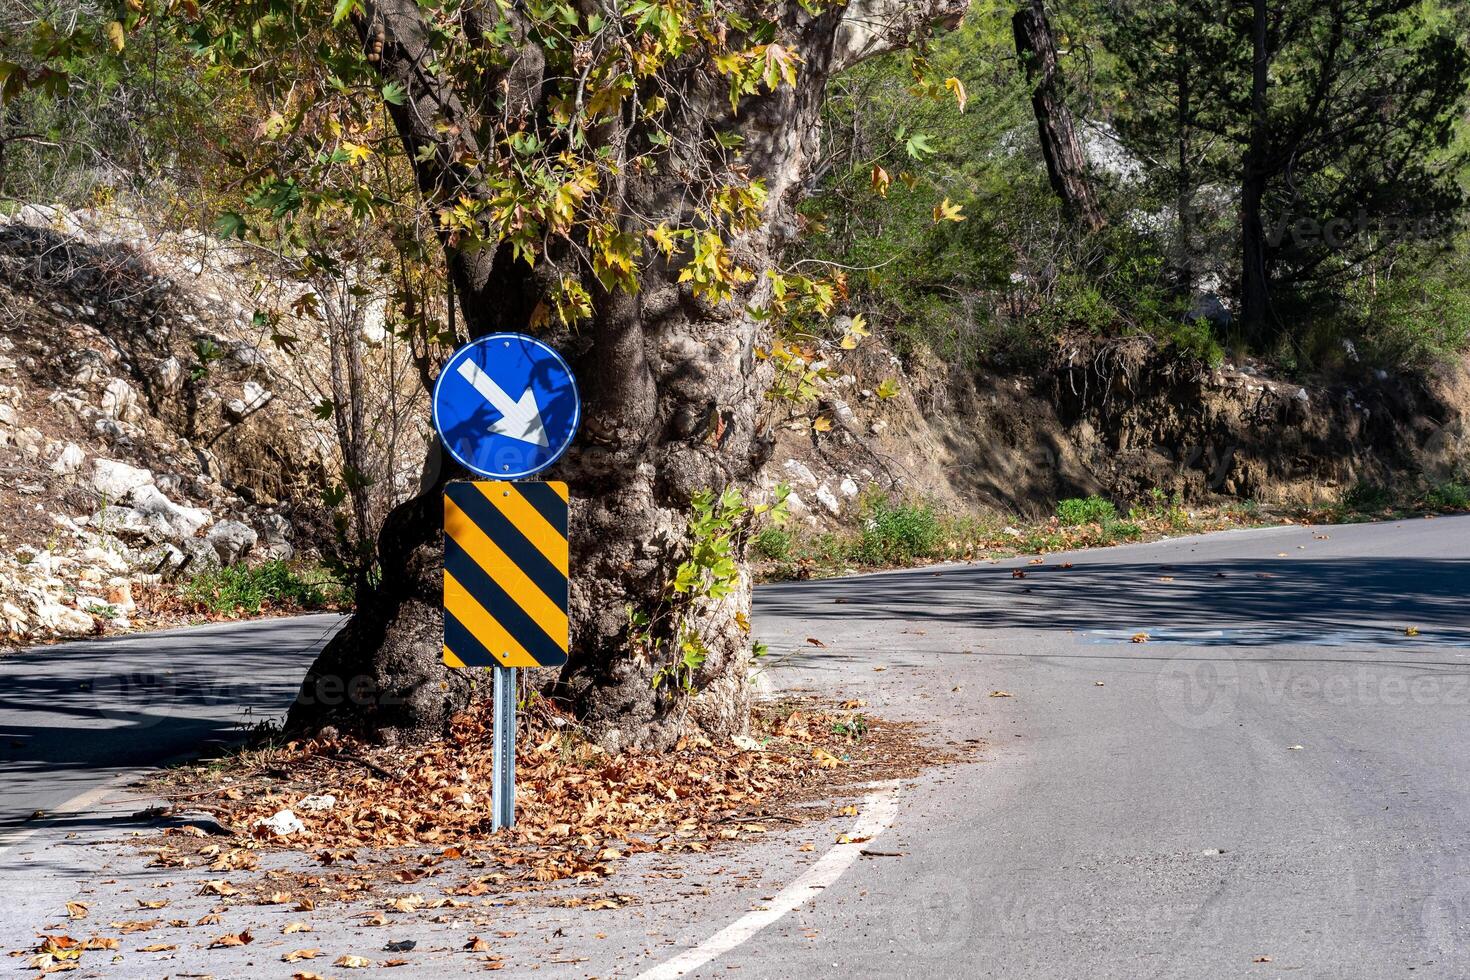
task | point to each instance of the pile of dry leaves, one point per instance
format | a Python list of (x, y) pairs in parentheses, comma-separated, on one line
[(579, 810)]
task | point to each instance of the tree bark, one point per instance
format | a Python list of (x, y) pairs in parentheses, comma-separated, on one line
[(1066, 164), (672, 405), (1255, 283)]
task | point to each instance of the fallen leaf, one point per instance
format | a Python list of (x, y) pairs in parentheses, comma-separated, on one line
[(1411, 631), (352, 962), (291, 927), (161, 903), (218, 886), (815, 642), (296, 955), (1139, 638), (157, 948), (1001, 694), (77, 910), (1261, 959), (826, 759), (242, 938), (477, 945), (1017, 573)]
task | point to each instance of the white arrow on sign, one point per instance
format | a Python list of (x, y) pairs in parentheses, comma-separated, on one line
[(520, 418)]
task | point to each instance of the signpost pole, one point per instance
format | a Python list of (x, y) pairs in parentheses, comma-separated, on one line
[(504, 748), (505, 407)]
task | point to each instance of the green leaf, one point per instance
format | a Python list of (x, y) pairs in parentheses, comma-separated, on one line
[(394, 94), (229, 225), (324, 409), (342, 11)]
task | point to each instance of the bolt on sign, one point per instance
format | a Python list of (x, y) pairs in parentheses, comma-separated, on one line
[(505, 574)]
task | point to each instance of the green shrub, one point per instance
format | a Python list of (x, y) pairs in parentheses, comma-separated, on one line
[(1364, 496), (1122, 530), (1075, 511), (1452, 495), (773, 543), (897, 533), (250, 589)]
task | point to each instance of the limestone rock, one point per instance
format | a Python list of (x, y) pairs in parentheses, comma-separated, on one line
[(115, 480), (181, 521), (70, 460), (231, 540)]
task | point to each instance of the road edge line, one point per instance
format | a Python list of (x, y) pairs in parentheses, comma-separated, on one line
[(877, 816)]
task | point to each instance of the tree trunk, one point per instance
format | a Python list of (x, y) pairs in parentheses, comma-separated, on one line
[(1066, 164), (1255, 288), (672, 405)]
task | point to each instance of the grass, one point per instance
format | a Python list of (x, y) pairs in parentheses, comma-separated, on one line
[(898, 533), (1369, 501), (272, 585), (1077, 511)]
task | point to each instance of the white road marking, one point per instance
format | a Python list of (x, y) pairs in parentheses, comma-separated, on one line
[(877, 816), (520, 417)]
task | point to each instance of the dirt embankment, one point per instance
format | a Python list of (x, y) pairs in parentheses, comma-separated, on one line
[(1119, 418)]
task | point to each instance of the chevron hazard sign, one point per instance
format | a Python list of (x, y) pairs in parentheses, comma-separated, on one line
[(505, 574)]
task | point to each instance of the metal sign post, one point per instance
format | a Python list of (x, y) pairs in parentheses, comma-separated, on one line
[(506, 407), (504, 748)]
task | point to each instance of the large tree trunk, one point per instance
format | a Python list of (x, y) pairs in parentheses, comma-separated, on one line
[(673, 405), (1066, 164), (1255, 279)]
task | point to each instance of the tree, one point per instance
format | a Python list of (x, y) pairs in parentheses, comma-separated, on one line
[(619, 178), (1066, 164), (1332, 120)]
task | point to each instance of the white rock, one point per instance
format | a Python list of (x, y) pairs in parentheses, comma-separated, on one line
[(64, 620), (256, 396), (277, 544), (828, 500), (7, 414), (282, 823), (323, 802), (29, 441), (231, 540), (168, 373), (70, 460), (115, 479), (374, 329), (182, 521), (119, 400), (848, 487), (799, 472)]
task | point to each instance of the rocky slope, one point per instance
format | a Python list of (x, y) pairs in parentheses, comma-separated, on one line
[(149, 428), (1117, 418)]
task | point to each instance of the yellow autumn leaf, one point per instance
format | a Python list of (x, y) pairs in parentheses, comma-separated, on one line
[(948, 211), (116, 36), (888, 389), (822, 423), (825, 759), (881, 180), (958, 88), (356, 152)]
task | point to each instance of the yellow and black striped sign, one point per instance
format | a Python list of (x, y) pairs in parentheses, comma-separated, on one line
[(505, 574)]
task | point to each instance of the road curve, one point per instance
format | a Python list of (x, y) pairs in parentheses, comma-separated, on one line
[(75, 715), (1273, 781)]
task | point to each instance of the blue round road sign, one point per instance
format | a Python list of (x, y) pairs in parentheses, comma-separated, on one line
[(506, 406)]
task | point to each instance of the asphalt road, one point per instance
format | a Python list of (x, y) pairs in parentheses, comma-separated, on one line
[(75, 715), (1275, 782)]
